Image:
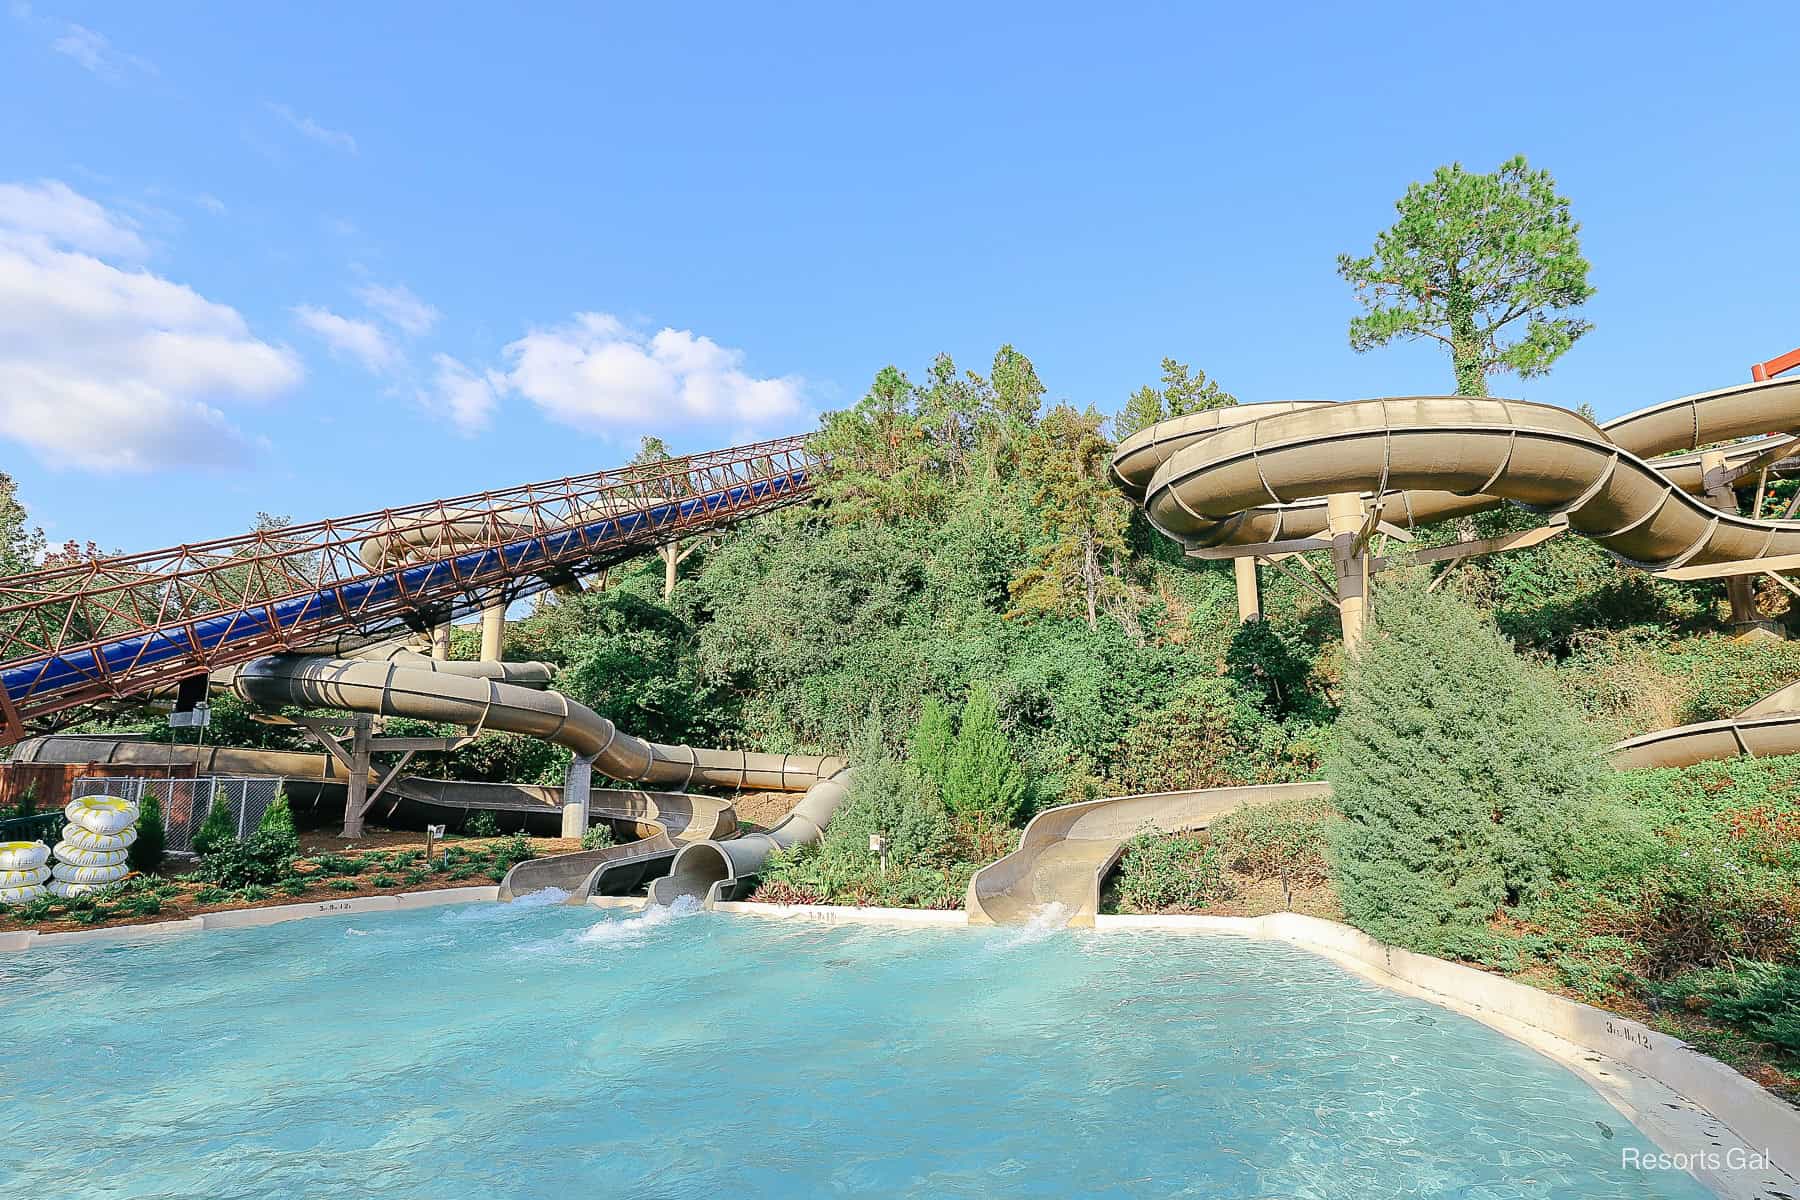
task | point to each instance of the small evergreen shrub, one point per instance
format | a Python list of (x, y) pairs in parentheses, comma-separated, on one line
[(985, 783), (263, 858), (146, 854), (597, 837), (1460, 773), (933, 739), (1163, 872), (219, 828)]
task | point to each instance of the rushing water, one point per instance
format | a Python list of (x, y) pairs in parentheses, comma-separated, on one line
[(530, 1050)]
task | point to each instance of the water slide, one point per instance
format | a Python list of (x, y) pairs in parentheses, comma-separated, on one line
[(1260, 473), (1065, 853)]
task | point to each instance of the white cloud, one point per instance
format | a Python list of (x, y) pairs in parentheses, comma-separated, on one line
[(361, 340), (109, 367), (467, 398), (337, 139), (596, 373), (402, 309), (211, 204), (55, 211), (93, 51)]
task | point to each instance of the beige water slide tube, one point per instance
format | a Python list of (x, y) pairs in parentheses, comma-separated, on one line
[(1260, 473)]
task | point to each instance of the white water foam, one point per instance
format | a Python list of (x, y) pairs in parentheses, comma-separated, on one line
[(1051, 918), (635, 929), (504, 909)]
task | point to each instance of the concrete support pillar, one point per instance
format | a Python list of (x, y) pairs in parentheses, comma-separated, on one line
[(1249, 588), (440, 642), (493, 631), (1723, 497), (1344, 521), (576, 786)]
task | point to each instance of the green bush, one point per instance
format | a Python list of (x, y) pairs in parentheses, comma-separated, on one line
[(1285, 840), (385, 881), (146, 853), (219, 828), (263, 858), (985, 782), (933, 738), (515, 849), (482, 824), (342, 885), (1161, 872), (1460, 773), (1762, 998), (598, 836)]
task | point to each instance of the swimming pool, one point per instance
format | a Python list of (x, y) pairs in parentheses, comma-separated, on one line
[(540, 1051)]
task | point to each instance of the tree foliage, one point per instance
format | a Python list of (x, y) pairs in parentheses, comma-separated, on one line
[(985, 782), (1460, 773), (1471, 257), (21, 543), (1183, 391), (1077, 561)]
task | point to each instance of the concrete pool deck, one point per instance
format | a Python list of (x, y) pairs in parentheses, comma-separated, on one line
[(1738, 1140)]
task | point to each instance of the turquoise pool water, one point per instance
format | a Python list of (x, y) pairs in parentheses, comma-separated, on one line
[(534, 1051)]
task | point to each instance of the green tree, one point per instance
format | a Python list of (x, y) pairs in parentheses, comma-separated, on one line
[(146, 854), (932, 741), (21, 543), (1017, 389), (1183, 391), (985, 783), (1471, 256), (218, 830), (1460, 772), (1075, 565)]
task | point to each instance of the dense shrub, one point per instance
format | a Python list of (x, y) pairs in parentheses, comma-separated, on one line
[(1460, 773), (1285, 840), (597, 837), (1162, 872), (147, 852), (218, 828), (984, 783), (482, 824), (265, 857), (1763, 998)]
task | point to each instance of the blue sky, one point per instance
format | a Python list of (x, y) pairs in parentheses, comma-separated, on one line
[(253, 257)]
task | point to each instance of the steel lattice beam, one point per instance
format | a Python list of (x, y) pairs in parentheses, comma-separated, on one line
[(105, 628)]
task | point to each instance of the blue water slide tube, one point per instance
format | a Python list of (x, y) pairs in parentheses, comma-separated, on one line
[(316, 612)]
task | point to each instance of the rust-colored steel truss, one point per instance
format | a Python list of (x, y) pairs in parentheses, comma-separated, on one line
[(105, 628)]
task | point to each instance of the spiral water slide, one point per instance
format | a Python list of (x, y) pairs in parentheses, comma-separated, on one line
[(1258, 475)]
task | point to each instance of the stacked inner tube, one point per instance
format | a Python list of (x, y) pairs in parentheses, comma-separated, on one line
[(95, 845), (23, 871)]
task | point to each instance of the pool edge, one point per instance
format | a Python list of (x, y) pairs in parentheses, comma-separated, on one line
[(1691, 1106)]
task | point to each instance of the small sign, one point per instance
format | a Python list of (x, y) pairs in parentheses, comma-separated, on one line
[(199, 716)]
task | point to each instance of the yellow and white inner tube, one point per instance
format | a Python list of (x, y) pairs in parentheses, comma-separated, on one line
[(21, 895), (22, 856), (98, 876), (65, 889), (75, 856), (101, 814), (23, 878), (87, 839)]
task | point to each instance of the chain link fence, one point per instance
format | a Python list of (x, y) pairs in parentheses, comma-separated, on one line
[(186, 802)]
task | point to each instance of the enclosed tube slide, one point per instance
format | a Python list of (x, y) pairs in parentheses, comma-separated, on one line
[(393, 688)]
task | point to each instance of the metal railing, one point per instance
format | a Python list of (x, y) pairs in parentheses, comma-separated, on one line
[(106, 628), (185, 803)]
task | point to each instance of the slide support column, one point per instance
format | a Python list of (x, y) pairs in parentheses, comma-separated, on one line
[(576, 786), (1249, 589), (440, 642), (1723, 496), (1344, 521), (493, 630)]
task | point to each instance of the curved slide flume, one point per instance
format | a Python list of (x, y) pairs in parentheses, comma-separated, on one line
[(705, 869), (1065, 853), (1174, 467)]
